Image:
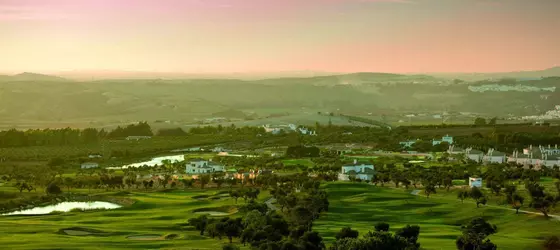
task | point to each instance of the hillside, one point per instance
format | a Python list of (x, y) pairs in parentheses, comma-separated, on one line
[(523, 75), (31, 77), (46, 100)]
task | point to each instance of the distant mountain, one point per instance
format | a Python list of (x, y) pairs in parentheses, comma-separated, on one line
[(117, 74), (522, 75), (32, 77)]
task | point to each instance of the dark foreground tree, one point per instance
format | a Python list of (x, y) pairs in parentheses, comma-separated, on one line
[(199, 223), (346, 232), (474, 236), (382, 227)]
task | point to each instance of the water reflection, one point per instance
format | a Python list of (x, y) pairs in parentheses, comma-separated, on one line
[(65, 207)]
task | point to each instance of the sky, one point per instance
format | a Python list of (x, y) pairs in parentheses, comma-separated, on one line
[(227, 36)]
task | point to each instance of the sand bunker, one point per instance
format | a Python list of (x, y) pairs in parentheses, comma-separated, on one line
[(212, 213), (145, 237), (216, 211), (80, 231)]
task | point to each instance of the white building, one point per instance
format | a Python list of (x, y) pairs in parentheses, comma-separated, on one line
[(475, 182), (360, 171), (455, 150), (474, 155), (87, 165), (446, 138), (494, 156), (137, 138), (203, 167)]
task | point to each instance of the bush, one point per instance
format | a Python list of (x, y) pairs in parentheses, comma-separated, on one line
[(53, 189), (382, 227)]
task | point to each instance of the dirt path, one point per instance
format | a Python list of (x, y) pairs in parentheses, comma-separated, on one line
[(555, 217), (270, 205)]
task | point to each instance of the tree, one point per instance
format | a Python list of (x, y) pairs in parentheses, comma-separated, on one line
[(462, 195), (346, 232), (540, 200), (200, 223), (311, 241), (480, 121), (474, 235), (429, 189), (477, 195), (232, 228), (492, 121), (204, 179), (552, 243), (235, 195), (410, 233), (515, 200), (53, 189), (382, 227)]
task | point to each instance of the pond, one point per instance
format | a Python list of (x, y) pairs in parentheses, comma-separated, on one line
[(154, 161), (66, 207)]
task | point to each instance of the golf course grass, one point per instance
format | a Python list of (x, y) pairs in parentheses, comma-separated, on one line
[(361, 206), (157, 220)]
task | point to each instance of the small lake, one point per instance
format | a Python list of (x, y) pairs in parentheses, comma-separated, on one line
[(153, 162), (66, 207)]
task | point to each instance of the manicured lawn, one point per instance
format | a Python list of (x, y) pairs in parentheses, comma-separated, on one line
[(158, 213), (360, 206), (304, 162)]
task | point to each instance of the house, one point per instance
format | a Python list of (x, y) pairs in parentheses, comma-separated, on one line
[(220, 149), (474, 155), (200, 166), (358, 170), (88, 165), (475, 182), (494, 156), (535, 158), (446, 138), (137, 138)]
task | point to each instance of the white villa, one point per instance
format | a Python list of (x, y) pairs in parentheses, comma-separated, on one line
[(446, 138), (201, 166), (88, 165), (540, 156), (475, 182), (474, 155), (360, 171), (494, 156)]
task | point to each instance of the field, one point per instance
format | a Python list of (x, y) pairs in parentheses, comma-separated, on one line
[(360, 206), (154, 213), (158, 214)]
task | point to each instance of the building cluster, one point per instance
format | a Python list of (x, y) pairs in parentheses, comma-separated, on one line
[(200, 166), (446, 138), (537, 156), (288, 128)]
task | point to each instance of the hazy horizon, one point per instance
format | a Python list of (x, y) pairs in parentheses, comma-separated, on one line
[(256, 37)]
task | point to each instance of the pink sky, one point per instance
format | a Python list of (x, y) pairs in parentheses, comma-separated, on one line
[(223, 36)]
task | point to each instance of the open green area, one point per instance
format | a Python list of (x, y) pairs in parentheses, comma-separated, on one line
[(361, 206), (142, 225)]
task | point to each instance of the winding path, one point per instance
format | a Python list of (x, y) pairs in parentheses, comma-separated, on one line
[(555, 217), (270, 205)]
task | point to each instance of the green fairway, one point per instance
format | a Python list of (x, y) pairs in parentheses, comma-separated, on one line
[(154, 213), (360, 206)]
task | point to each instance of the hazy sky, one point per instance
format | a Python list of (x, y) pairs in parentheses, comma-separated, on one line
[(279, 35)]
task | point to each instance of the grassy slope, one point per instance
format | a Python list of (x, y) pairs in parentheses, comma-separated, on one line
[(361, 206), (153, 213)]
